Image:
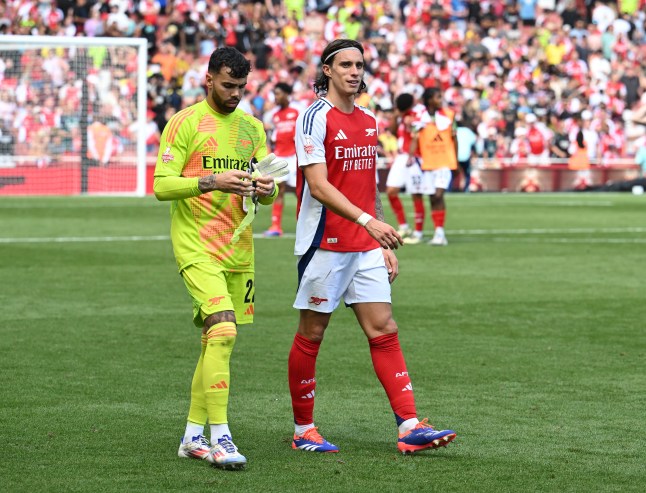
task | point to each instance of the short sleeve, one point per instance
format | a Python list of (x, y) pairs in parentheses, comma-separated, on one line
[(310, 137)]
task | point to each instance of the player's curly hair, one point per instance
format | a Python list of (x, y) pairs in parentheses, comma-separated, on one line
[(327, 58), (429, 94), (285, 87), (231, 58), (404, 101)]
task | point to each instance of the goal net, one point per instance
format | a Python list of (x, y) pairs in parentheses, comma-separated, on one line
[(72, 115)]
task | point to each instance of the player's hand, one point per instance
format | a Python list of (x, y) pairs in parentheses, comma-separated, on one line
[(384, 233), (234, 181), (392, 264), (264, 186)]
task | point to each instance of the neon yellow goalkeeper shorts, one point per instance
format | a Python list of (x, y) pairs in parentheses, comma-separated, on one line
[(214, 290)]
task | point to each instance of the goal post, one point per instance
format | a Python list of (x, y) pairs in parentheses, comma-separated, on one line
[(73, 117)]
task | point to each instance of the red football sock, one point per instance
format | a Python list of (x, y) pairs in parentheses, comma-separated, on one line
[(301, 369), (438, 218), (277, 215), (418, 205), (390, 367), (398, 208)]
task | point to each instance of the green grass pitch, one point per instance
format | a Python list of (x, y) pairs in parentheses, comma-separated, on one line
[(525, 335)]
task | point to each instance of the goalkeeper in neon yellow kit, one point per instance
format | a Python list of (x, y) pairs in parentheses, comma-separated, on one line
[(203, 167)]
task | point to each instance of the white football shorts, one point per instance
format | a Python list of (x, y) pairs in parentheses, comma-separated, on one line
[(437, 178), (401, 175), (398, 172), (326, 276), (291, 177)]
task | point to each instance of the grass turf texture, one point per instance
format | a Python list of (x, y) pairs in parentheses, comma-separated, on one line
[(525, 335)]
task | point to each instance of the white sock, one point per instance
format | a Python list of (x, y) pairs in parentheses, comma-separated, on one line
[(404, 226), (300, 429), (408, 425), (219, 431), (418, 234), (192, 430), (439, 231)]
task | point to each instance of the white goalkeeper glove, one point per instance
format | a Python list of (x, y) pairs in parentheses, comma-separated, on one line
[(268, 166)]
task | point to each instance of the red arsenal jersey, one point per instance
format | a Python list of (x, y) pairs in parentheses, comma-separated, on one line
[(347, 144)]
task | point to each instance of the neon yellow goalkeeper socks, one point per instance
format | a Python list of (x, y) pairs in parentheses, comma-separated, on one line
[(197, 410), (215, 377)]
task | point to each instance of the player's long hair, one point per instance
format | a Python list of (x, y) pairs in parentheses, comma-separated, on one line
[(322, 81), (231, 58)]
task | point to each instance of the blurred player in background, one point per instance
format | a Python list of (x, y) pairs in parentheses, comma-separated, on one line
[(100, 143), (438, 145), (281, 121), (467, 142), (203, 167), (405, 171), (344, 249)]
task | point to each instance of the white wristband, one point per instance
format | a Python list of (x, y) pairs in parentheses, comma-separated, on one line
[(363, 219)]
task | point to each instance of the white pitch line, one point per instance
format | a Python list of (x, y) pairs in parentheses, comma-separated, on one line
[(559, 203), (539, 231), (570, 240), (291, 236), (105, 239), (83, 239)]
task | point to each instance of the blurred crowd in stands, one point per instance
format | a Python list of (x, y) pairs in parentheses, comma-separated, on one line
[(524, 75)]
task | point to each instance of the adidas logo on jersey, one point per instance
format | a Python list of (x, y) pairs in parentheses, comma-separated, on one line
[(211, 145), (438, 138), (341, 136), (409, 386)]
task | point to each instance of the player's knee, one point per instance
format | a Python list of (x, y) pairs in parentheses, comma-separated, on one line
[(313, 332), (222, 334), (392, 326), (312, 325), (376, 328), (389, 327)]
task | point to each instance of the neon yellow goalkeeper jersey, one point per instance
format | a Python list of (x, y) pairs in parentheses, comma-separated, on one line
[(197, 142)]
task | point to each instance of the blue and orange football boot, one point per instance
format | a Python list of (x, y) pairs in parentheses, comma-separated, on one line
[(273, 232), (423, 436), (312, 441)]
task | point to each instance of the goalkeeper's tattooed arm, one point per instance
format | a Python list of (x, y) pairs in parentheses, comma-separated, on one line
[(234, 181)]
